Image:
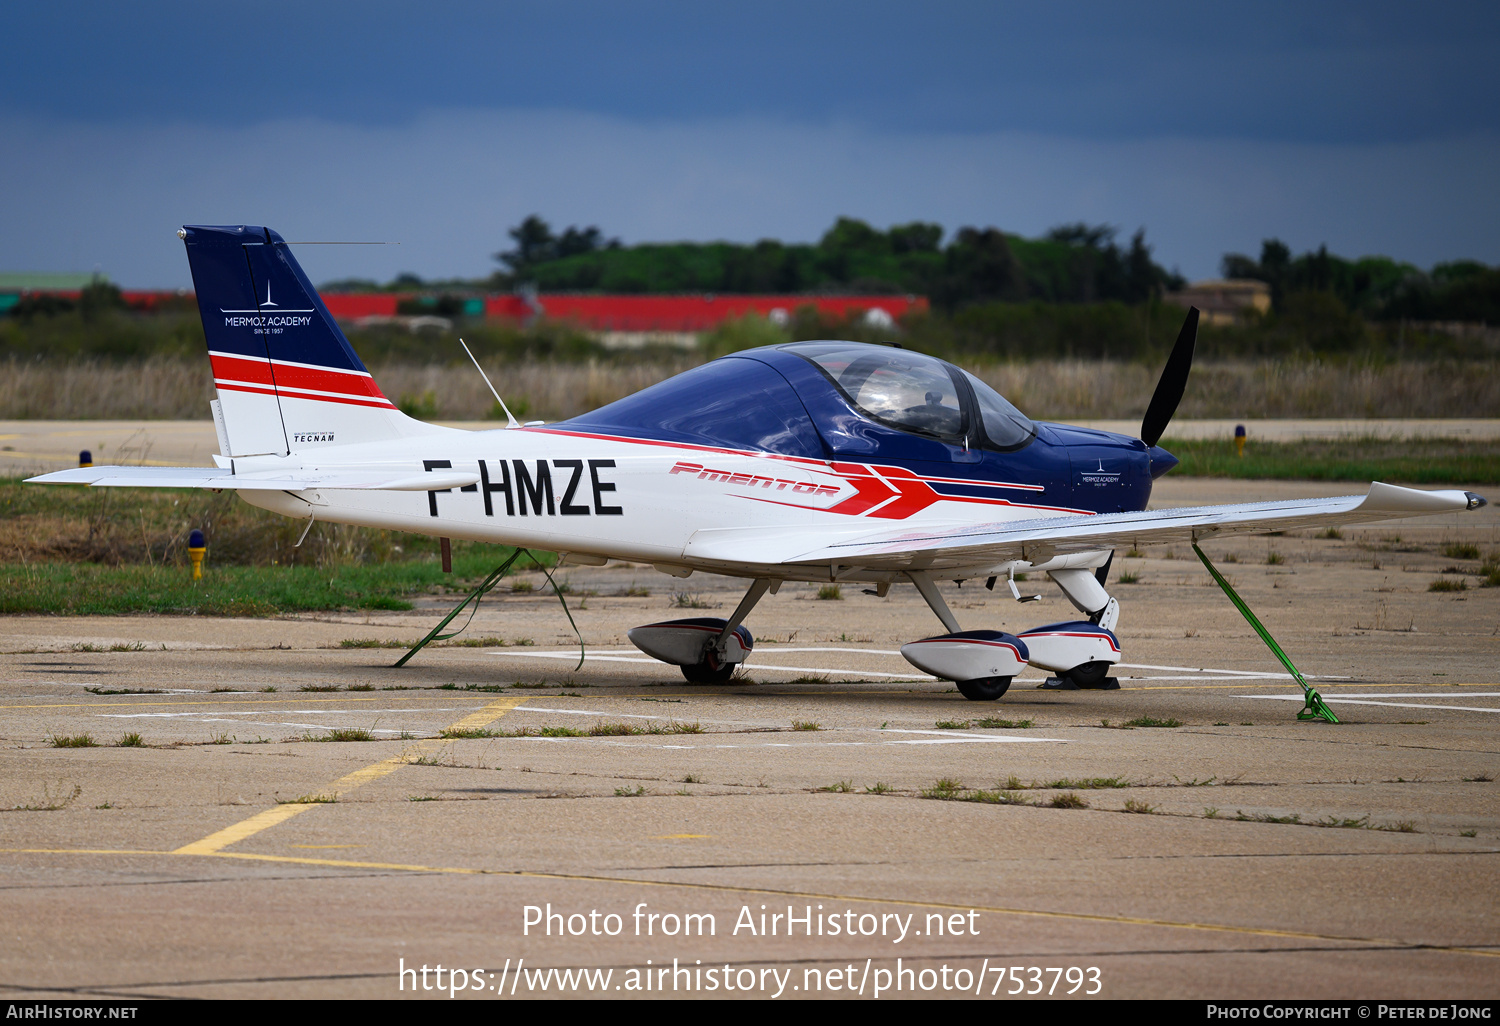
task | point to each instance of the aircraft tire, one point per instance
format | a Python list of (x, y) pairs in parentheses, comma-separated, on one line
[(983, 689), (703, 673), (1088, 675)]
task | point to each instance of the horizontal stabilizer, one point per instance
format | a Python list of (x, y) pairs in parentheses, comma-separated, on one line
[(392, 479)]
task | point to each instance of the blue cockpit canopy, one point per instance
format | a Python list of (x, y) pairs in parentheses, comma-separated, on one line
[(810, 399)]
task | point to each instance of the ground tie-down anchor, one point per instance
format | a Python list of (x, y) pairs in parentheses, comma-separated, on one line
[(1314, 708), (471, 601)]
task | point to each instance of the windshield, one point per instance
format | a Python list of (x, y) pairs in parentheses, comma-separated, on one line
[(904, 389), (1006, 426)]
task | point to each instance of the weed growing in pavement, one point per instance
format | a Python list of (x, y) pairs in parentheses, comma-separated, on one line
[(945, 788), (342, 734), (130, 740), (309, 799), (73, 741), (1131, 805), (1151, 721), (1461, 550), (952, 724), (879, 787), (1068, 800), (831, 591), (806, 725), (842, 787), (52, 802), (630, 792), (1444, 584), (995, 721), (125, 691)]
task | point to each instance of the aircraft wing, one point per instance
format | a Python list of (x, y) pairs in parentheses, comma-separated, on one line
[(398, 479), (1038, 540)]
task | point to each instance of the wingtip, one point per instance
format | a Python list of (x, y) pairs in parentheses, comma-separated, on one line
[(1475, 500)]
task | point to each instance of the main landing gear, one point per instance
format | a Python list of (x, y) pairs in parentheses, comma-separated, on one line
[(708, 649), (983, 663)]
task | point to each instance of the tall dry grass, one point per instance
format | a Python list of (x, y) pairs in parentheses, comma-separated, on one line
[(167, 388)]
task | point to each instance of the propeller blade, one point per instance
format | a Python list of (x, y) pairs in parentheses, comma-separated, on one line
[(1173, 381)]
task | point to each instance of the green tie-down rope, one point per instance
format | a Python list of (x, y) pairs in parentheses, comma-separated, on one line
[(472, 602), (1315, 708)]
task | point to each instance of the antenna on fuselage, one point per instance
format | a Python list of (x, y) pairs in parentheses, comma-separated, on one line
[(510, 418)]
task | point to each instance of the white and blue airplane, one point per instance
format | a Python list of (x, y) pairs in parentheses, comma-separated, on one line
[(814, 461)]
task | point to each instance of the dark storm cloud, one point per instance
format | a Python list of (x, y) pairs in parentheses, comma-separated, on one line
[(1361, 72)]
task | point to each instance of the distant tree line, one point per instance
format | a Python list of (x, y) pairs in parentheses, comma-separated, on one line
[(1072, 264), (1377, 288)]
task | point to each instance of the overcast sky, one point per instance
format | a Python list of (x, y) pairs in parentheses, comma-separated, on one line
[(1370, 127)]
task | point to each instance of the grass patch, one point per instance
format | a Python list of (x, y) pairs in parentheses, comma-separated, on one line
[(842, 787), (634, 591), (1414, 461), (692, 778), (879, 787), (1461, 550), (1151, 721), (1068, 800), (630, 792), (830, 591), (1444, 584), (467, 733), (1274, 558), (68, 575), (688, 600), (1266, 817), (806, 725), (1331, 533), (73, 741), (1337, 823), (1128, 577), (532, 687), (319, 687), (371, 643), (122, 691), (489, 641), (342, 734), (130, 740), (309, 799), (522, 587), (995, 721), (952, 724), (1483, 778), (1131, 805), (1086, 783)]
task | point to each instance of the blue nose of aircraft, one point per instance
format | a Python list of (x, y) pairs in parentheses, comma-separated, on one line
[(1161, 461)]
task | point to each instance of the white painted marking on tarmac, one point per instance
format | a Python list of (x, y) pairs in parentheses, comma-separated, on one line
[(1219, 674), (748, 665), (1393, 705)]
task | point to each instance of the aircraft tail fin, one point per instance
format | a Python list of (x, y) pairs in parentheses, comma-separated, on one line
[(286, 377)]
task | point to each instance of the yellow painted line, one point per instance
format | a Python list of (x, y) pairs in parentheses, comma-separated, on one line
[(215, 842), (683, 837), (734, 889), (243, 829), (294, 697), (327, 846)]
